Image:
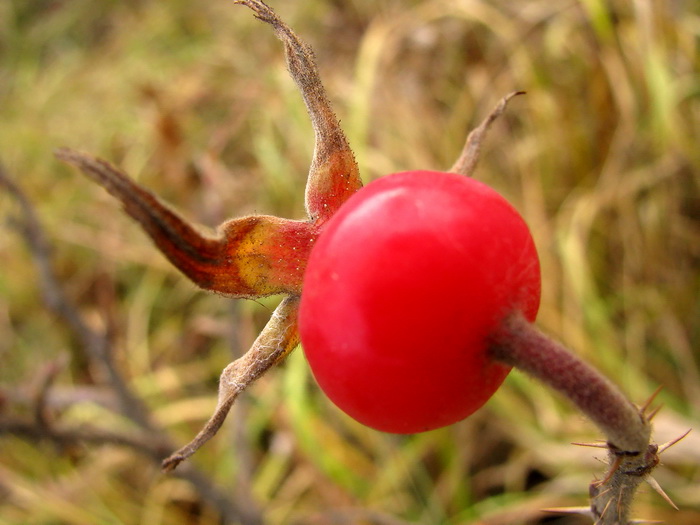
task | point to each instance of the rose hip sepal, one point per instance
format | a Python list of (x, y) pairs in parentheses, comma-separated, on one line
[(402, 291)]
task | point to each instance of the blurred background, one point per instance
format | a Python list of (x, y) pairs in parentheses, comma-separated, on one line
[(192, 99)]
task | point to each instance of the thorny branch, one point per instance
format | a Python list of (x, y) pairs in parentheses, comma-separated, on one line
[(149, 441), (631, 455)]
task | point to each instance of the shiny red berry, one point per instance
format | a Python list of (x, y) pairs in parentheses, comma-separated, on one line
[(402, 290)]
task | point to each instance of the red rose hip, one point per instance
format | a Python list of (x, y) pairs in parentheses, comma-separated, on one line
[(402, 290)]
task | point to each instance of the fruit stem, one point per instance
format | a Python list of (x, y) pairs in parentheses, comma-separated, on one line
[(631, 457), (520, 344)]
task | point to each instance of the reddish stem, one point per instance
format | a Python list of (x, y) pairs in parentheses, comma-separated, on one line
[(520, 344)]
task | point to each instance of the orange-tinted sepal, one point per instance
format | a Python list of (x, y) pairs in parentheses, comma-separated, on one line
[(252, 256)]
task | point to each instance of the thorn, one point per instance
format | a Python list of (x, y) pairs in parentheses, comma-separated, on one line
[(611, 472), (653, 413), (600, 460), (649, 401), (593, 445), (655, 485), (645, 521), (599, 483), (669, 444), (584, 511), (605, 510)]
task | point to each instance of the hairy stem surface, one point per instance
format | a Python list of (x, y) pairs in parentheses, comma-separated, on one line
[(631, 457)]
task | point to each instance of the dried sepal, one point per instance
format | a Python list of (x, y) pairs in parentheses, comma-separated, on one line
[(252, 256), (468, 159), (333, 176), (279, 337)]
